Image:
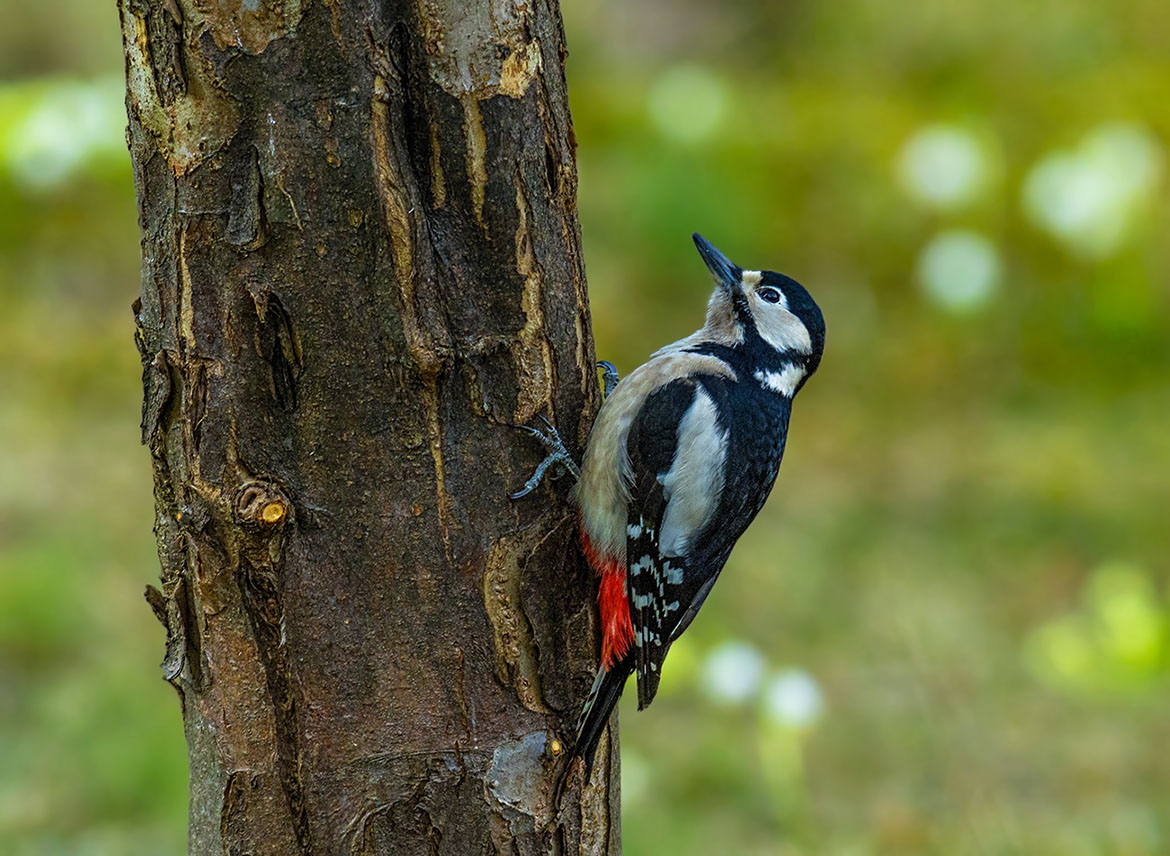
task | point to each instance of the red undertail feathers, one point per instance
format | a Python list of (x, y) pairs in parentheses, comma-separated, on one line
[(616, 627)]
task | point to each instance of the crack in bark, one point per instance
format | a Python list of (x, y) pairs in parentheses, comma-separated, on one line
[(259, 588), (279, 346), (428, 341), (263, 514)]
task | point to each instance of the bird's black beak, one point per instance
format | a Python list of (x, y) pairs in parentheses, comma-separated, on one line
[(726, 273)]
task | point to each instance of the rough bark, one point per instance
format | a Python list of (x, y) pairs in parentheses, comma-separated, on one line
[(361, 266)]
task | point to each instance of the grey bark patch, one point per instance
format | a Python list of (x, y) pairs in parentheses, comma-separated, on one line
[(515, 777)]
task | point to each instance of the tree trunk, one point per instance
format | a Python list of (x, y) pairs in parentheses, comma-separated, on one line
[(361, 266)]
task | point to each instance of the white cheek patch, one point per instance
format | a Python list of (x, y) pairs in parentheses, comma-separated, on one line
[(783, 382), (780, 328), (695, 479)]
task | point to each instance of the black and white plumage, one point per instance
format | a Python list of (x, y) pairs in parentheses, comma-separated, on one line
[(680, 460)]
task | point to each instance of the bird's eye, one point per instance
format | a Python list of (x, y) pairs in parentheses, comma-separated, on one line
[(772, 295)]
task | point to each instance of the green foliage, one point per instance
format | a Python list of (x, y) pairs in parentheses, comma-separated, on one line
[(966, 554), (1116, 642)]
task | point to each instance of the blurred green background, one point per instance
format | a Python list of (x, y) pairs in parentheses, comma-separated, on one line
[(947, 632)]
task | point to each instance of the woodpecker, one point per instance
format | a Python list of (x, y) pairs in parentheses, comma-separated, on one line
[(681, 458)]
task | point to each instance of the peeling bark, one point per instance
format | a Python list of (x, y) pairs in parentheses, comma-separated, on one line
[(361, 266)]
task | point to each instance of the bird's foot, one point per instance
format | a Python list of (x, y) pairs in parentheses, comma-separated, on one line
[(558, 457), (609, 377)]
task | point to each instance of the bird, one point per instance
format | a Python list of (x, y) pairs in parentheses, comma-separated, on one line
[(680, 460)]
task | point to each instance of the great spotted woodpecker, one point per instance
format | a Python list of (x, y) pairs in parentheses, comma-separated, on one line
[(679, 461)]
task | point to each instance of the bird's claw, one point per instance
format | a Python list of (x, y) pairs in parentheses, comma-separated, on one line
[(558, 456), (609, 376)]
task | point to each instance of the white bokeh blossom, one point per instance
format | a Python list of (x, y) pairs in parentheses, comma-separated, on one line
[(732, 672), (959, 270), (1088, 197), (943, 166), (793, 698)]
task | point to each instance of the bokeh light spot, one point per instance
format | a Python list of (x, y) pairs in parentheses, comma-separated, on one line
[(733, 672), (1117, 641), (1088, 197), (793, 698), (61, 129), (943, 166), (959, 270)]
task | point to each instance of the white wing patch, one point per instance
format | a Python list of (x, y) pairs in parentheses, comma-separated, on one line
[(695, 479), (604, 489), (783, 381)]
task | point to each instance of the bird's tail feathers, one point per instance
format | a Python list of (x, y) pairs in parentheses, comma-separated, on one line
[(603, 697)]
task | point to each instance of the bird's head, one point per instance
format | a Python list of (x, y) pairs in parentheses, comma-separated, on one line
[(762, 311)]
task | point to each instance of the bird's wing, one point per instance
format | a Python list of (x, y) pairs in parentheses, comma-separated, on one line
[(678, 451)]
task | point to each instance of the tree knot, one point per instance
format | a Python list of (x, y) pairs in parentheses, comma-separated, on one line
[(262, 507)]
